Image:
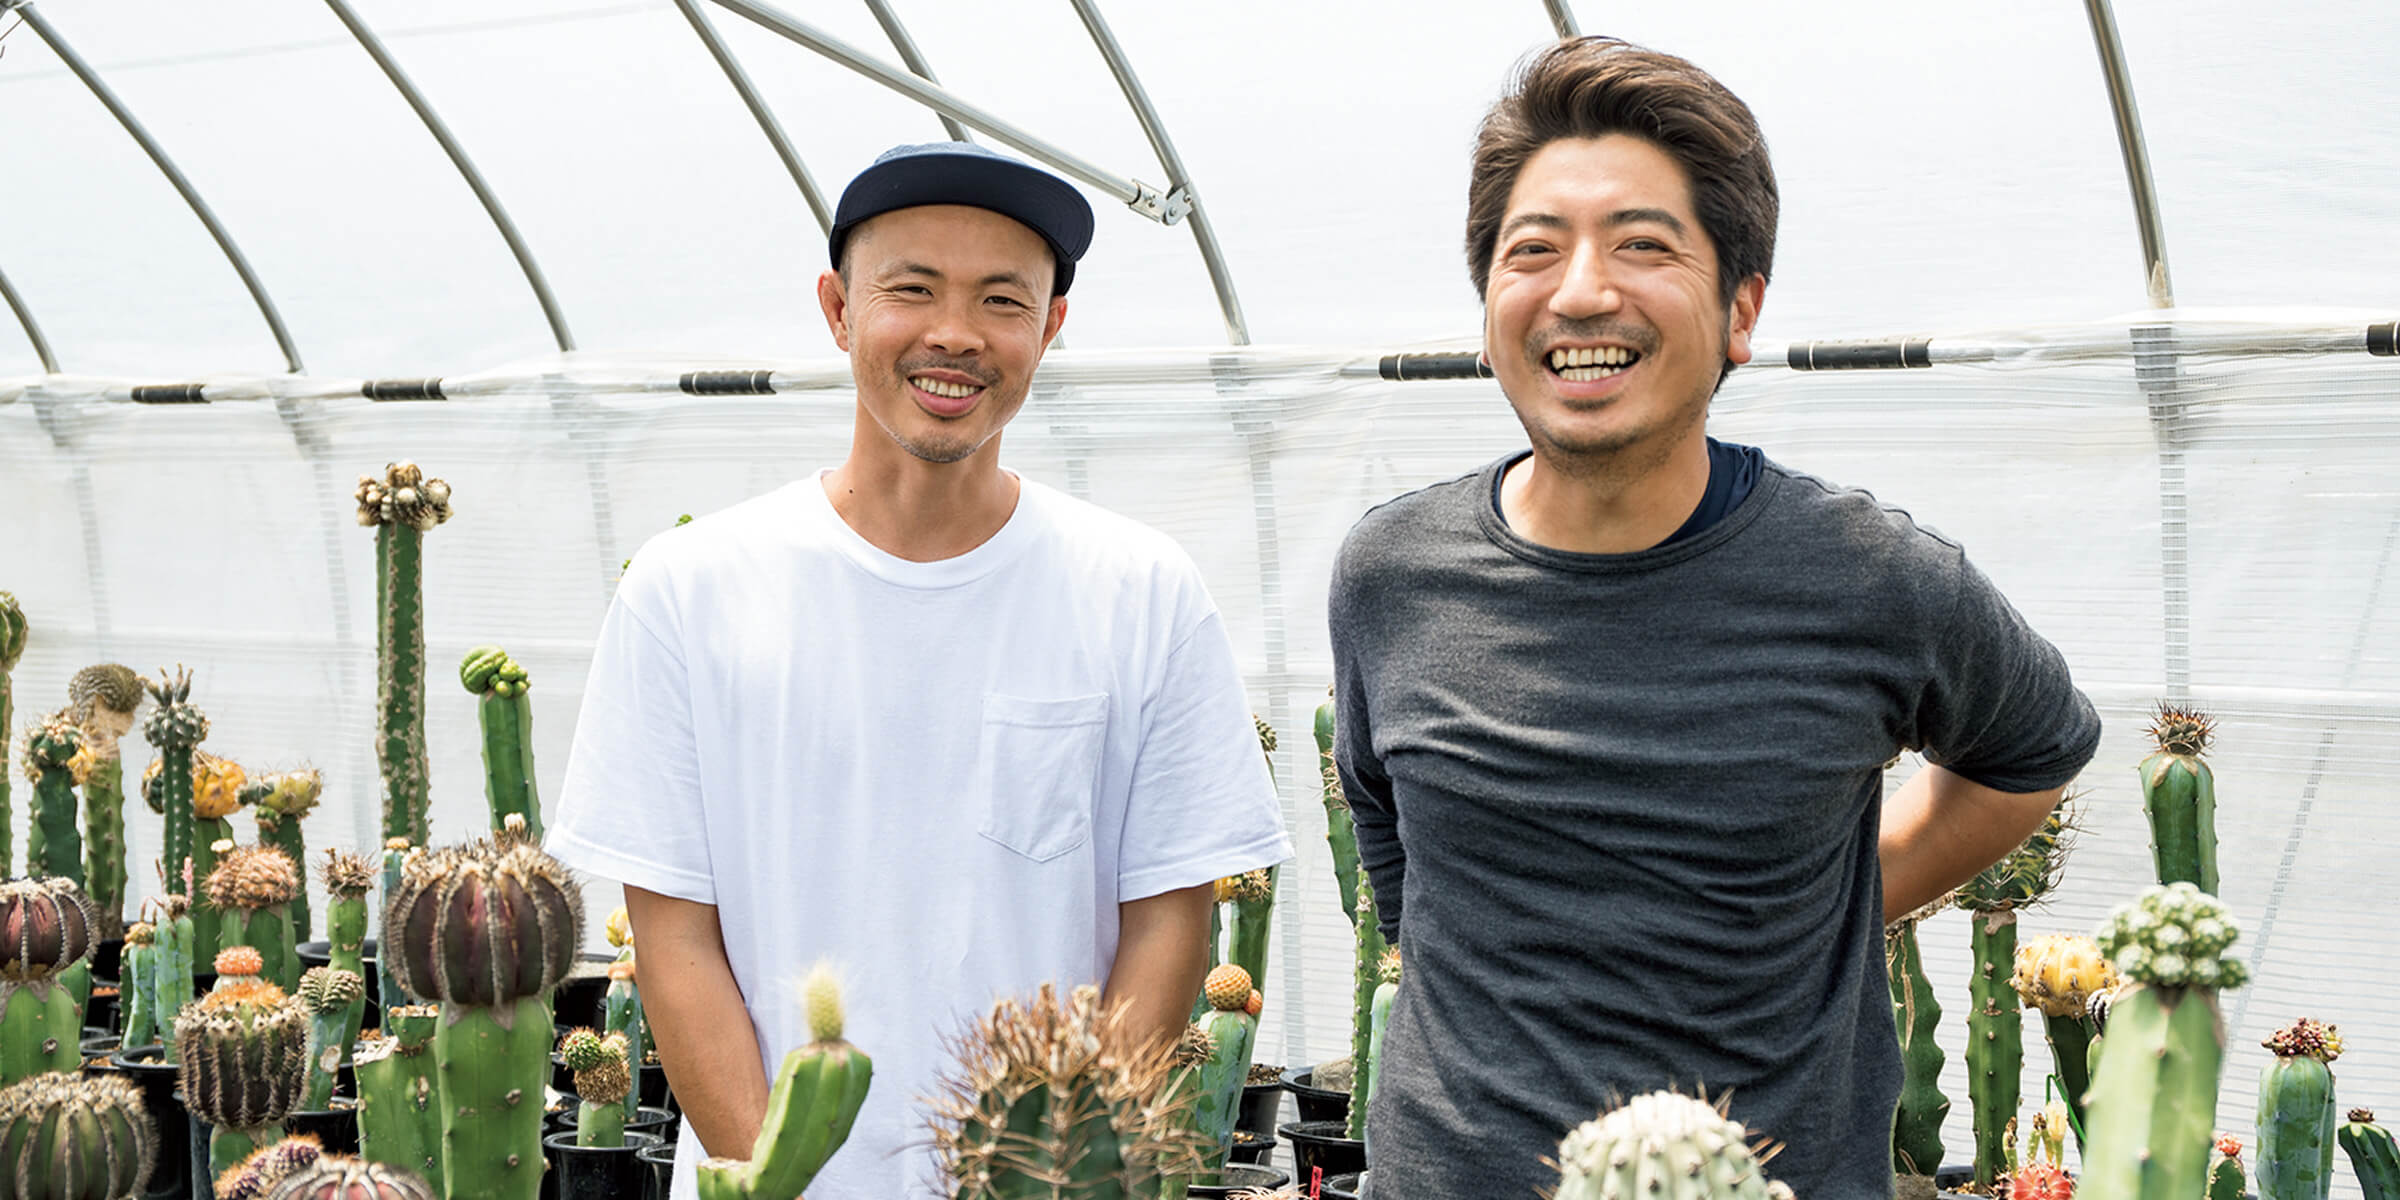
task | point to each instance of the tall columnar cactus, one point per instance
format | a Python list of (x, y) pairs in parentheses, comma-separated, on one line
[(506, 715), (2179, 795), (1059, 1099), (2153, 1102), (242, 1052), (12, 648), (331, 995), (401, 506), (2226, 1180), (172, 978), (1231, 1036), (602, 1081), (399, 1119), (175, 727), (279, 802), (2372, 1155), (1996, 1018), (341, 1177), (1341, 835), (348, 879), (817, 1093), (2058, 974), (217, 785), (102, 699), (621, 1014), (253, 889), (138, 1018), (1380, 1019), (45, 932), (2295, 1113), (1664, 1146), (1917, 1015), (75, 1138), (54, 761), (1366, 974), (1253, 897), (487, 930), (387, 985)]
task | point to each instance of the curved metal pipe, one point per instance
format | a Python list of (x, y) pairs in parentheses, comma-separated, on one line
[(759, 112), (1562, 18), (1237, 329), (913, 59), (33, 332), (2136, 151), (466, 167), (166, 166)]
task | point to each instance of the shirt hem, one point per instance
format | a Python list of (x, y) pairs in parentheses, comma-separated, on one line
[(591, 858), (1192, 872)]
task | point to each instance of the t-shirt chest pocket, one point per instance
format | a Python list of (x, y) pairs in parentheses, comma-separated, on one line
[(1037, 767)]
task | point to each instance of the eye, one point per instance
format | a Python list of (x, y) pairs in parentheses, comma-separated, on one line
[(1529, 249), (917, 289), (1647, 244), (1010, 301)]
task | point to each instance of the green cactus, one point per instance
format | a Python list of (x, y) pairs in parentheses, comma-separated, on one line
[(241, 1052), (401, 506), (387, 985), (67, 1136), (329, 994), (1664, 1146), (2058, 975), (2295, 1113), (52, 751), (2226, 1180), (621, 1014), (49, 928), (101, 700), (1341, 835), (174, 728), (1253, 897), (602, 1082), (1052, 1099), (2179, 795), (506, 715), (252, 889), (12, 648), (2153, 1102), (2372, 1156), (138, 1020), (816, 1097), (348, 879), (1917, 1015), (1230, 1035), (1366, 974), (1380, 1019), (399, 1122), (279, 802), (173, 982), (2022, 879)]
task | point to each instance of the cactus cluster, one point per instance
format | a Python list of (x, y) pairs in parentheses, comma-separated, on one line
[(86, 1137), (401, 506), (45, 933), (1664, 1146), (816, 1097), (2153, 1099)]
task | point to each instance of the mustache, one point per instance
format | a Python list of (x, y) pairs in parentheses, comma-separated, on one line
[(1640, 337), (964, 366)]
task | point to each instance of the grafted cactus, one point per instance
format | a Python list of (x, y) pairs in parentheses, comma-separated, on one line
[(340, 1177), (45, 933), (2226, 1179), (2040, 1181), (348, 879), (102, 699), (2372, 1155), (279, 802), (2179, 795), (253, 889), (401, 506), (2295, 1113), (12, 647), (1230, 1033), (67, 1137), (2058, 975), (331, 995), (268, 1165), (55, 763), (506, 715), (217, 787), (602, 1081), (816, 1097), (2021, 880), (1664, 1146), (242, 1053)]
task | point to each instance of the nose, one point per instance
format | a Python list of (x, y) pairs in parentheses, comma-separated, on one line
[(953, 330), (1585, 287)]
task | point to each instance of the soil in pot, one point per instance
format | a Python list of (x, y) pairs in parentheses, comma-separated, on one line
[(597, 1173), (1251, 1148), (1325, 1144), (1235, 1178), (170, 1176), (1316, 1103), (659, 1161)]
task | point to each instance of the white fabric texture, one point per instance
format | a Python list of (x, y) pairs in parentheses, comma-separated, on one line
[(941, 776)]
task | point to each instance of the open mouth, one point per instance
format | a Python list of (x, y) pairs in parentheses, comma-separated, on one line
[(944, 388), (1586, 363)]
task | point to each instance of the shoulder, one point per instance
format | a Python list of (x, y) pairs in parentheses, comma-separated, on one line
[(1401, 532), (1104, 541), (693, 554), (1819, 516)]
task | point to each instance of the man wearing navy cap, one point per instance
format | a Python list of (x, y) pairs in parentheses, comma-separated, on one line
[(950, 729)]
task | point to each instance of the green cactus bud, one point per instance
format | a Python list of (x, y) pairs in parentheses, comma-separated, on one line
[(482, 925), (75, 1136), (1664, 1146)]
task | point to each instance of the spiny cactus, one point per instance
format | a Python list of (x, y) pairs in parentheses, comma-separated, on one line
[(2179, 795), (2058, 974), (69, 1137), (2153, 1100), (12, 647), (387, 984), (2040, 1181), (242, 1052), (1232, 1036), (2022, 879), (1253, 897), (102, 700), (1051, 1098), (401, 506), (331, 995), (279, 802), (506, 715), (601, 1084), (171, 974), (2295, 1113), (53, 753), (815, 1099), (45, 933), (1664, 1146), (1916, 1015), (175, 727), (348, 879), (399, 1121), (1341, 834), (253, 889), (341, 1177), (2226, 1180), (2372, 1155), (256, 1175)]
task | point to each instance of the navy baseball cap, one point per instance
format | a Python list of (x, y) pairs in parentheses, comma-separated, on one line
[(965, 173)]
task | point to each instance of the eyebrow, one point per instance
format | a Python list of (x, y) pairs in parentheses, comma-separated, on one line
[(1623, 216), (917, 268)]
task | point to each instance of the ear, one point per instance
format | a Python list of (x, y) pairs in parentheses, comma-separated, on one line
[(834, 297), (1742, 318), (1056, 319)]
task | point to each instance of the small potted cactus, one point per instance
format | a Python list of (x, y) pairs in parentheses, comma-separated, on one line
[(596, 1160), (49, 928), (2295, 1112), (818, 1091), (1659, 1137), (253, 890), (242, 1049), (76, 1136)]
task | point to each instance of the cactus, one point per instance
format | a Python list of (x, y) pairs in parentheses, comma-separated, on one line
[(2022, 879), (816, 1097), (1059, 1099), (2225, 1178), (241, 1051), (601, 1084), (341, 1177), (401, 507), (1917, 1015), (45, 932), (348, 879), (279, 802), (1664, 1146), (54, 762), (135, 1009), (2179, 795), (331, 995), (387, 985), (12, 647), (2058, 975), (2372, 1156), (1341, 836), (2040, 1181), (1380, 1019), (268, 1165), (217, 786), (1231, 1036), (252, 889), (84, 1138), (487, 930), (171, 980), (2153, 1100), (507, 719), (398, 1122), (621, 1014), (1366, 974), (2295, 1113), (102, 699)]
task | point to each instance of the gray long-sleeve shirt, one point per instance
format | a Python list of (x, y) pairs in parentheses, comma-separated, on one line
[(1620, 813)]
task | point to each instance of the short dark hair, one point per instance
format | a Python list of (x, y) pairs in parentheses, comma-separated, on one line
[(1590, 87)]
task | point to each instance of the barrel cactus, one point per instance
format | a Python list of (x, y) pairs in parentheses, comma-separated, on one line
[(242, 1050), (401, 506), (1664, 1146), (69, 1137), (253, 889), (818, 1092), (340, 1177), (45, 932), (2295, 1113), (55, 765), (2372, 1155), (268, 1165)]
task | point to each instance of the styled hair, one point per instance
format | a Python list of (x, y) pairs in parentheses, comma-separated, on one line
[(1591, 87)]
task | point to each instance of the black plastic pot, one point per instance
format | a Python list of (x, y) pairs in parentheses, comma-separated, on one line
[(100, 1010), (170, 1176), (659, 1160), (657, 1122), (97, 1046), (1315, 1103), (1325, 1144), (1342, 1187), (107, 955), (583, 998), (1262, 1107), (335, 1128), (1235, 1178), (597, 1173), (320, 954), (1250, 1148)]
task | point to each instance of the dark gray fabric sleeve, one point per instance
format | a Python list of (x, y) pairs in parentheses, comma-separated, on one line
[(1999, 707), (1364, 782)]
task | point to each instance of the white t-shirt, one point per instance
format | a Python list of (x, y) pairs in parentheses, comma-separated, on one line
[(941, 776)]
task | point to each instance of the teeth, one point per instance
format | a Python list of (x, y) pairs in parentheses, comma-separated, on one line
[(1588, 356), (946, 389), (1587, 374)]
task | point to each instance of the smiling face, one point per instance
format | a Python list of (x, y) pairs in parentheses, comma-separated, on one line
[(945, 313), (1602, 318)]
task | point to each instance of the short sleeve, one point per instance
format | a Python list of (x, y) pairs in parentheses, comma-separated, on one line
[(2000, 708), (631, 807), (1202, 804)]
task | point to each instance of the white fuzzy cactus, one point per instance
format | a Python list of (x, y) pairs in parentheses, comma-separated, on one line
[(1663, 1146)]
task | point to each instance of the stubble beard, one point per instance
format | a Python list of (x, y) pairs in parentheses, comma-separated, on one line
[(940, 446), (1624, 455)]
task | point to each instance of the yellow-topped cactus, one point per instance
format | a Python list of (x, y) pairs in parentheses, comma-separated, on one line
[(2057, 973), (216, 786)]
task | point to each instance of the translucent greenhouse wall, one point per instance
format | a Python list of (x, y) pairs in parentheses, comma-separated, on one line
[(221, 535)]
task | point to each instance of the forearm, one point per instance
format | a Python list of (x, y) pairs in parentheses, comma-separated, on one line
[(1162, 954), (696, 1016), (1939, 829)]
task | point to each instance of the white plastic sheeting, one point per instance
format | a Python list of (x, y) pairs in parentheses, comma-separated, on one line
[(221, 536)]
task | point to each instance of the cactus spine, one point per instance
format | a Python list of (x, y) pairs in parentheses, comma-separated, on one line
[(330, 994), (601, 1084), (2372, 1155), (2295, 1113), (12, 648), (136, 1005), (171, 973), (242, 1052), (2058, 975), (506, 716), (48, 928), (1917, 1126), (1341, 835), (2153, 1101), (252, 889), (816, 1097), (2179, 795), (54, 762), (279, 802), (1366, 974), (401, 506), (347, 881), (2225, 1178), (1664, 1146), (2025, 877), (73, 1137), (399, 1124)]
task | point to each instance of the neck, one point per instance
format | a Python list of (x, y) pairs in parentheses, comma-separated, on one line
[(1610, 507), (921, 511)]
